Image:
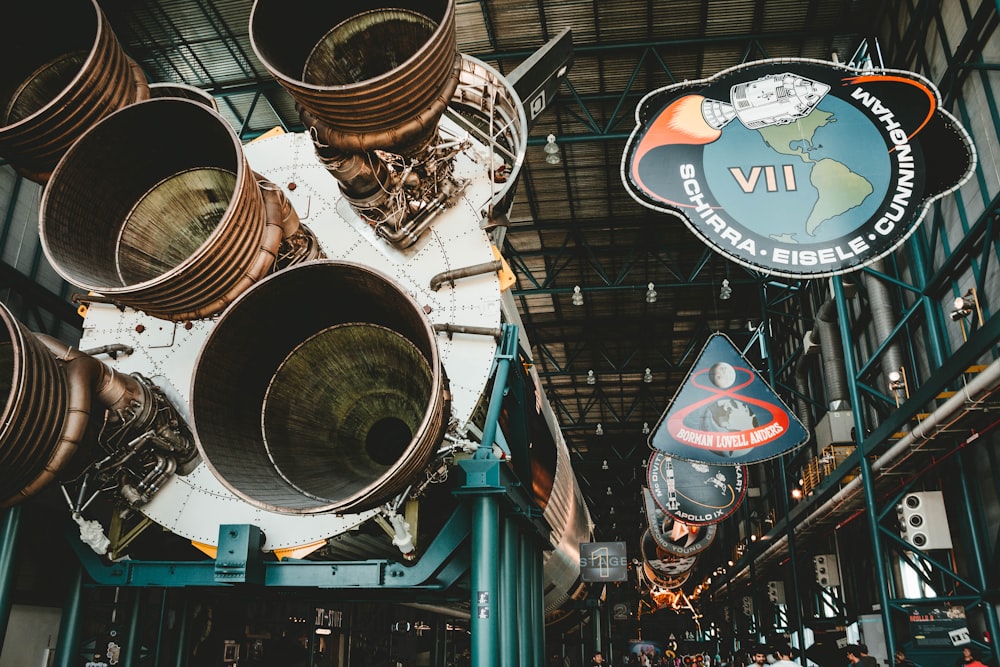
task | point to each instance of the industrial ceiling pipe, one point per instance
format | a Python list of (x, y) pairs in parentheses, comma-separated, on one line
[(320, 390), (63, 71), (826, 333), (884, 317), (155, 207), (975, 392)]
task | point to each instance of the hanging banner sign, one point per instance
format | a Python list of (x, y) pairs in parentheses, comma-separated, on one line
[(797, 167), (673, 536), (665, 564), (725, 412), (693, 492)]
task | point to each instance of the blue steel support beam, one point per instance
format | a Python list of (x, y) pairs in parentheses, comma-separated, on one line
[(68, 640), (976, 550), (525, 622), (509, 599), (432, 572), (881, 581), (133, 641), (9, 530)]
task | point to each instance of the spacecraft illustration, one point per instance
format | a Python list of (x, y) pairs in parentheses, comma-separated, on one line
[(776, 99), (298, 333)]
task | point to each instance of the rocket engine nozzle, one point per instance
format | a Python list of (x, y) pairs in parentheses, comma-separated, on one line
[(155, 207), (64, 70), (319, 390), (53, 394), (373, 80)]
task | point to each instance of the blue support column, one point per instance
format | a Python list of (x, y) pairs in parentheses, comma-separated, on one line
[(976, 549), (525, 620), (881, 581), (485, 580), (537, 604), (9, 530), (133, 642), (509, 598), (182, 632), (68, 641)]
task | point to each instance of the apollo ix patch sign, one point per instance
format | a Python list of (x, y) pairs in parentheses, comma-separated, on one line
[(797, 167)]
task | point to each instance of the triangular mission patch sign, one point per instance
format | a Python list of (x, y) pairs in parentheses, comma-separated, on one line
[(725, 412)]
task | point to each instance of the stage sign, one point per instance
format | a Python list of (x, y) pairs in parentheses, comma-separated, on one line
[(797, 167), (725, 413), (603, 561), (694, 492)]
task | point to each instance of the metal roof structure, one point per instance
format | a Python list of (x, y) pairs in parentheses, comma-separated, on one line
[(573, 223)]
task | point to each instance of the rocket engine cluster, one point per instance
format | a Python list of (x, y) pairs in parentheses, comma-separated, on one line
[(297, 333)]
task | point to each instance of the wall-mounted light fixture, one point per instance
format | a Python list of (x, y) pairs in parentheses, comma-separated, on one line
[(725, 292), (964, 307), (551, 150), (898, 385), (591, 378), (650, 293), (647, 377), (577, 296)]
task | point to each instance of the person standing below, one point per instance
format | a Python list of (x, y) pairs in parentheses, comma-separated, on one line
[(759, 657), (866, 660), (969, 659), (98, 661), (597, 660), (784, 654), (902, 660)]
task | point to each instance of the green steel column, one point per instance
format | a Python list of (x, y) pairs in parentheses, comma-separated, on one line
[(789, 528), (9, 529), (182, 631), (525, 625), (509, 599), (485, 579), (68, 641), (161, 627), (931, 308), (537, 604), (843, 319), (133, 642), (595, 622), (976, 548)]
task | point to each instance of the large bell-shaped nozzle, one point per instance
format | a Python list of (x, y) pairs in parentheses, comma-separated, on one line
[(156, 208), (319, 390), (374, 79), (34, 387), (63, 71)]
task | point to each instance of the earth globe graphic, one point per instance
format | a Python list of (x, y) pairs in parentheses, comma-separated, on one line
[(839, 174)]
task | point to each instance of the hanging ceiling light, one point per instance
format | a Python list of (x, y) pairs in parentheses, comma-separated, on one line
[(610, 492), (604, 464), (577, 296), (591, 378), (551, 150), (599, 430), (647, 377), (650, 293), (645, 428), (725, 292)]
